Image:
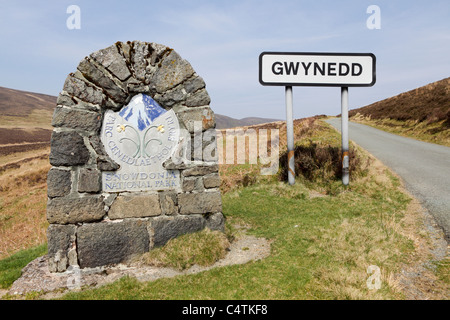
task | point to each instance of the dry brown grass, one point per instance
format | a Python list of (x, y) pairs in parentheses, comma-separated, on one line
[(424, 284), (9, 136), (23, 200), (13, 160), (367, 244)]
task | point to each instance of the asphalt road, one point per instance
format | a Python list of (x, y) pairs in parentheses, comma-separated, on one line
[(424, 167)]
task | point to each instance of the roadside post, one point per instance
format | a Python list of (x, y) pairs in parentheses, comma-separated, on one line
[(344, 136), (290, 135), (324, 69)]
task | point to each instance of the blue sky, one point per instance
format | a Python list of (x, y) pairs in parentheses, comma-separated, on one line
[(223, 39)]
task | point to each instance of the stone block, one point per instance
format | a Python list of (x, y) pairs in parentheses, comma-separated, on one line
[(75, 210), (169, 98), (59, 183), (80, 89), (201, 170), (104, 162), (216, 222), (204, 202), (76, 119), (135, 206), (124, 48), (193, 184), (166, 228), (61, 244), (111, 59), (169, 202), (198, 99), (82, 105), (194, 84), (189, 184), (172, 71), (158, 51), (101, 80), (89, 180), (211, 181), (106, 243), (201, 115), (65, 100), (68, 149)]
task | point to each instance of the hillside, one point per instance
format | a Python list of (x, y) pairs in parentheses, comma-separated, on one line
[(422, 113), (21, 109), (22, 103), (26, 110), (429, 103), (224, 122), (25, 125)]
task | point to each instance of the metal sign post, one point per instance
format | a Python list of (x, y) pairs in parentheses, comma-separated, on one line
[(317, 69), (344, 135), (290, 135)]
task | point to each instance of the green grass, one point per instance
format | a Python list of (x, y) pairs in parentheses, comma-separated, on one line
[(202, 248), (11, 267), (321, 250), (323, 239), (321, 245)]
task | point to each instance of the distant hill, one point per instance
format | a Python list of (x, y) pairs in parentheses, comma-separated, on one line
[(22, 103), (224, 122), (430, 103), (29, 109), (422, 113), (26, 110)]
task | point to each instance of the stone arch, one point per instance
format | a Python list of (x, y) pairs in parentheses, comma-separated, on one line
[(92, 227)]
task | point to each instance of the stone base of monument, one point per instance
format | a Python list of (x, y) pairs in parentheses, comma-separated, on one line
[(37, 278), (114, 241), (134, 157)]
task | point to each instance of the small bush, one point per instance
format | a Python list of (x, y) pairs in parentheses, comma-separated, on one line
[(316, 163)]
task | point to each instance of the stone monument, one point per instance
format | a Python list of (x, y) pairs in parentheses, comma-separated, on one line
[(132, 163)]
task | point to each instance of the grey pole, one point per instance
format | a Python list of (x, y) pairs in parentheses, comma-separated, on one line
[(344, 135), (290, 135)]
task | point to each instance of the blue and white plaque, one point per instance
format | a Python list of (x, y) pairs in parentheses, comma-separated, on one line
[(140, 137)]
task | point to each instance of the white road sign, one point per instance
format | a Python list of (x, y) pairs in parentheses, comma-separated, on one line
[(317, 69)]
